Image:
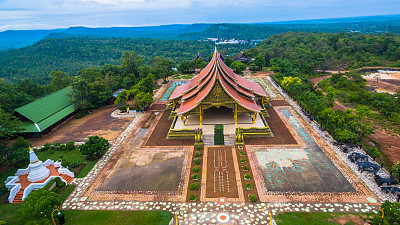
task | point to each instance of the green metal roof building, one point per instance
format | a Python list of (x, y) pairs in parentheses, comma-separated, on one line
[(45, 112)]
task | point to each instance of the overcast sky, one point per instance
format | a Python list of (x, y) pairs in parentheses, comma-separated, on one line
[(50, 14)]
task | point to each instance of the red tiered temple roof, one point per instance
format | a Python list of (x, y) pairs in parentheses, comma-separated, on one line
[(196, 89)]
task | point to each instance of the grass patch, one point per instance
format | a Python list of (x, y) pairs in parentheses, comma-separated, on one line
[(71, 157), (85, 170), (66, 192), (11, 215), (97, 217), (289, 218)]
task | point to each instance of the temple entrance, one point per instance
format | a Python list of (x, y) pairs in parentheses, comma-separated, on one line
[(219, 134)]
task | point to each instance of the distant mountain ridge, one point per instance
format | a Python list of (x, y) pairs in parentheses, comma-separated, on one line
[(367, 24)]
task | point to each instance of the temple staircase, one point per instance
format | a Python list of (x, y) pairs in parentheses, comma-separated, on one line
[(229, 139), (18, 196), (208, 139), (67, 178)]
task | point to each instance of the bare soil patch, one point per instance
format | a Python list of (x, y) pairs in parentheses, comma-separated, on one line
[(158, 107), (383, 85), (316, 80), (282, 135), (221, 176), (279, 103), (242, 173), (349, 219), (99, 122), (262, 73), (389, 144), (160, 132)]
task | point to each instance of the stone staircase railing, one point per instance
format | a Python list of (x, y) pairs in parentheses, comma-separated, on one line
[(13, 192)]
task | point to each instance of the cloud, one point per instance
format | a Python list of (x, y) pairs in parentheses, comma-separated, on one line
[(21, 14)]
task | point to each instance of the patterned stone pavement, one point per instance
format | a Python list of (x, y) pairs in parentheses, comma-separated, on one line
[(196, 212)]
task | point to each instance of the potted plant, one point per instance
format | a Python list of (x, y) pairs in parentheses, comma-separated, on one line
[(197, 154), (247, 176), (243, 160), (196, 169), (241, 153), (248, 186), (245, 168), (192, 198), (194, 176), (194, 186), (252, 198)]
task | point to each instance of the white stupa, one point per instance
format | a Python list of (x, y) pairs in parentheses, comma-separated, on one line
[(37, 171)]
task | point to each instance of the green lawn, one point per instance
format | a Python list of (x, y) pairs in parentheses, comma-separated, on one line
[(299, 218), (70, 156), (66, 192), (97, 217), (10, 214)]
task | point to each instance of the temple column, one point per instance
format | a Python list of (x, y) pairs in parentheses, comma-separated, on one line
[(253, 116), (183, 119), (235, 113), (201, 114)]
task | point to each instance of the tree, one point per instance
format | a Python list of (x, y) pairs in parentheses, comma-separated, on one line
[(8, 124), (238, 66), (186, 66), (389, 214), (87, 95), (199, 63), (228, 61), (143, 99), (131, 62), (59, 80), (40, 204), (288, 81), (161, 67), (260, 61), (94, 147), (330, 94), (396, 170)]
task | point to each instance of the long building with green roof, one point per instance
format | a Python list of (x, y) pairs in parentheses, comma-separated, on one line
[(45, 113)]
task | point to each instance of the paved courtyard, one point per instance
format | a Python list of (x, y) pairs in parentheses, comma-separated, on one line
[(302, 173)]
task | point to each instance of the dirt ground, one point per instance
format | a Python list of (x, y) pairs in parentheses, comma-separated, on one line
[(158, 136), (262, 73), (282, 135), (316, 80), (99, 122), (382, 85), (221, 176), (389, 144)]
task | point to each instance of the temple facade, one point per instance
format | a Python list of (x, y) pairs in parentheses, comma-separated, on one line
[(214, 97)]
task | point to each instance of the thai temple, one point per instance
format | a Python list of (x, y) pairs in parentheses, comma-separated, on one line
[(36, 176), (218, 96)]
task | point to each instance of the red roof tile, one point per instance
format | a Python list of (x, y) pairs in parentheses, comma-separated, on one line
[(196, 89)]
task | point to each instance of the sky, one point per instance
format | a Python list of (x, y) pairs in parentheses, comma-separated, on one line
[(51, 14)]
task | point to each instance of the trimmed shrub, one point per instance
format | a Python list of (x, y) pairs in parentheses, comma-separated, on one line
[(245, 168), (241, 153), (197, 154), (194, 176), (247, 176), (197, 161), (248, 186), (70, 146), (194, 186), (243, 160), (94, 148), (198, 146), (192, 197), (196, 169), (252, 198)]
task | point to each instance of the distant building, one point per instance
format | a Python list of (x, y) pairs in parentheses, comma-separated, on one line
[(242, 57), (42, 115), (200, 56)]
